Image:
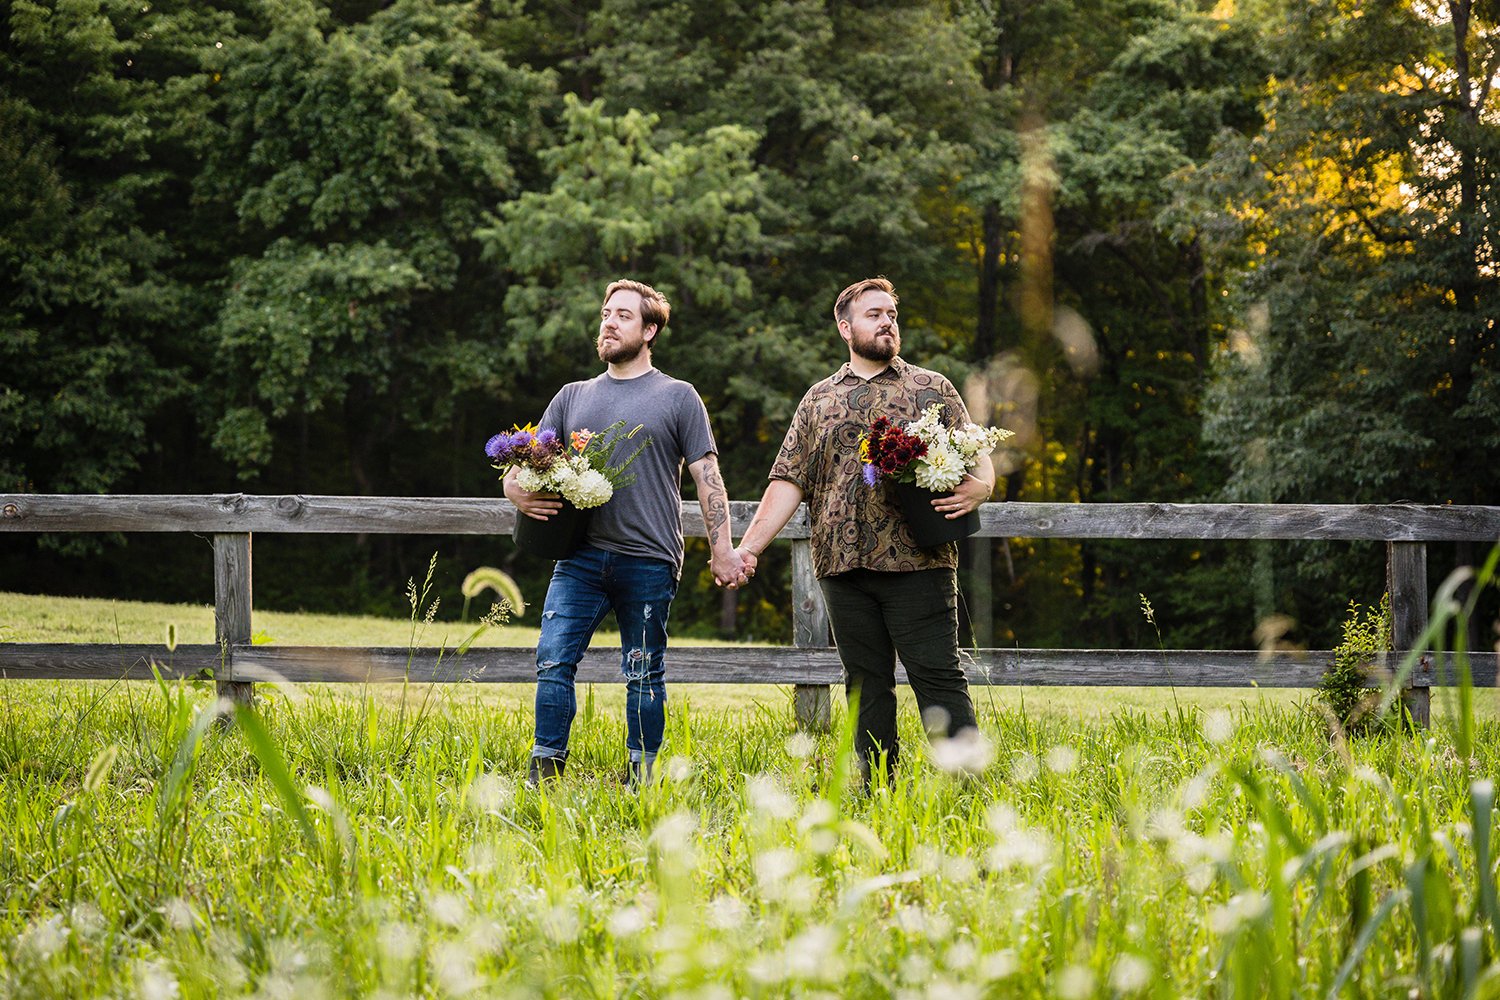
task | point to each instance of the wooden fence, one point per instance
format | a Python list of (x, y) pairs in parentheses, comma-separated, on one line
[(810, 664)]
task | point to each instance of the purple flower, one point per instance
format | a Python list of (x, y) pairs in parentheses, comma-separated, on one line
[(497, 445), (521, 439), (871, 474), (546, 438)]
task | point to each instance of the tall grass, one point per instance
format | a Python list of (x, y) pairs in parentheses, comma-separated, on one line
[(327, 846)]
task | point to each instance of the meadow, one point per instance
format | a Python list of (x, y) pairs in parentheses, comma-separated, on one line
[(377, 842)]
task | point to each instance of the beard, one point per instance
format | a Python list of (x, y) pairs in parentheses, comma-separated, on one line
[(619, 351), (873, 348)]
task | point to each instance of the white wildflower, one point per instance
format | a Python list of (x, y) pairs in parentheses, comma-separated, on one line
[(45, 939), (490, 793), (399, 941), (628, 921), (455, 970), (179, 914), (767, 797), (677, 769), (772, 869), (961, 956), (1218, 726), (999, 965), (1024, 768), (156, 982), (1243, 908), (1075, 982), (968, 752), (813, 955), (800, 745), (916, 969), (1129, 974), (727, 913), (447, 909), (1062, 759), (675, 832)]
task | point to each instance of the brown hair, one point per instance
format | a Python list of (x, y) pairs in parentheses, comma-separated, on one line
[(655, 309), (843, 306)]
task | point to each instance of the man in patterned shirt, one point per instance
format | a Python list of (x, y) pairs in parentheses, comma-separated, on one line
[(884, 594)]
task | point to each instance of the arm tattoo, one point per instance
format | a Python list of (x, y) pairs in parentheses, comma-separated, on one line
[(715, 501)]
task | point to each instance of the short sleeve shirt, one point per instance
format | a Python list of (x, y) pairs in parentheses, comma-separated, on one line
[(854, 525), (643, 518)]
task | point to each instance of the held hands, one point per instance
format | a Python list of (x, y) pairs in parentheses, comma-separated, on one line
[(730, 570), (539, 506), (967, 496)]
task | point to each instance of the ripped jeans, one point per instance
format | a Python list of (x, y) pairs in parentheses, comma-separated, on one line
[(584, 588)]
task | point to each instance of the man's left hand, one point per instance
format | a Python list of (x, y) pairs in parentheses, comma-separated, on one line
[(966, 496), (729, 569)]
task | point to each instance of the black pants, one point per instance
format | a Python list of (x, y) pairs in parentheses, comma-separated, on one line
[(877, 615)]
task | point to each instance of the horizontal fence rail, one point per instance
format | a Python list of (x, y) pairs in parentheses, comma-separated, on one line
[(811, 665), (689, 665), (239, 512)]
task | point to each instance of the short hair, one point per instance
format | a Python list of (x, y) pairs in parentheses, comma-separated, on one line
[(655, 309), (843, 306)]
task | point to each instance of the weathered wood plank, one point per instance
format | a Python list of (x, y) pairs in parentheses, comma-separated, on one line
[(685, 664), (1389, 522), (1406, 582), (100, 661), (812, 703), (237, 512), (786, 665), (232, 599)]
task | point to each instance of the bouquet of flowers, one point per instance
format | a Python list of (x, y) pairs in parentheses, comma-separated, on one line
[(582, 471), (924, 451)]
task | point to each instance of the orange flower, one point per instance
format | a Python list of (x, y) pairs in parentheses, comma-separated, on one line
[(581, 439)]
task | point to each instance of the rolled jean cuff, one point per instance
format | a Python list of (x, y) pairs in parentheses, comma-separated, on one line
[(549, 752), (640, 756)]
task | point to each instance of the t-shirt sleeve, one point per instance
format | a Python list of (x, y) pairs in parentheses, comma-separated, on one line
[(555, 415), (794, 458), (694, 432)]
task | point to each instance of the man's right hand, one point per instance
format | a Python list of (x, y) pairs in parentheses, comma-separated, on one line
[(538, 506)]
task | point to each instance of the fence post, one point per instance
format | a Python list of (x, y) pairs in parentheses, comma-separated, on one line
[(1406, 580), (232, 610), (813, 702)]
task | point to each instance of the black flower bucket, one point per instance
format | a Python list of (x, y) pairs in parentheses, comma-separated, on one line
[(929, 527)]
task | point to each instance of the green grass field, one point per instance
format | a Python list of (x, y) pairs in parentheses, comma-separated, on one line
[(353, 842)]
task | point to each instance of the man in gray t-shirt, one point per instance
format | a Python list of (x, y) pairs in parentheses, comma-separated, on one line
[(631, 559)]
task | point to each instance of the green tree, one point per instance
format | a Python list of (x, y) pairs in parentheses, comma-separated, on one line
[(1361, 226), (103, 107), (358, 160)]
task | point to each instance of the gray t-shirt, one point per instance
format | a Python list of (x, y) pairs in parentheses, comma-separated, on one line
[(644, 518)]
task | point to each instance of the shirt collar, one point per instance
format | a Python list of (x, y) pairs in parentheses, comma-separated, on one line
[(895, 369)]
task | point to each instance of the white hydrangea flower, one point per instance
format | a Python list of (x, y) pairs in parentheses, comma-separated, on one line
[(940, 470), (589, 489), (530, 480)]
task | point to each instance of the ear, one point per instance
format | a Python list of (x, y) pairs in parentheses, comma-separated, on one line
[(649, 334), (846, 330)]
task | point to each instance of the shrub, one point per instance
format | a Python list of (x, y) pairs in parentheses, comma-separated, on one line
[(1346, 688)]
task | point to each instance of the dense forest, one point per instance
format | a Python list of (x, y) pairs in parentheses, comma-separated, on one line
[(1188, 251)]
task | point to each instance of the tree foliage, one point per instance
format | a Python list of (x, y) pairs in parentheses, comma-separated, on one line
[(1187, 250)]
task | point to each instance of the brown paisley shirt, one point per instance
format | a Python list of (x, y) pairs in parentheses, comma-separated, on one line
[(855, 526)]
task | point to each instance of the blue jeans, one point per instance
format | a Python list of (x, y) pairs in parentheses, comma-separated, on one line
[(584, 588)]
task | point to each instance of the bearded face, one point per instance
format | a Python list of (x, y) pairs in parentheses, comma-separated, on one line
[(873, 332), (622, 335)]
